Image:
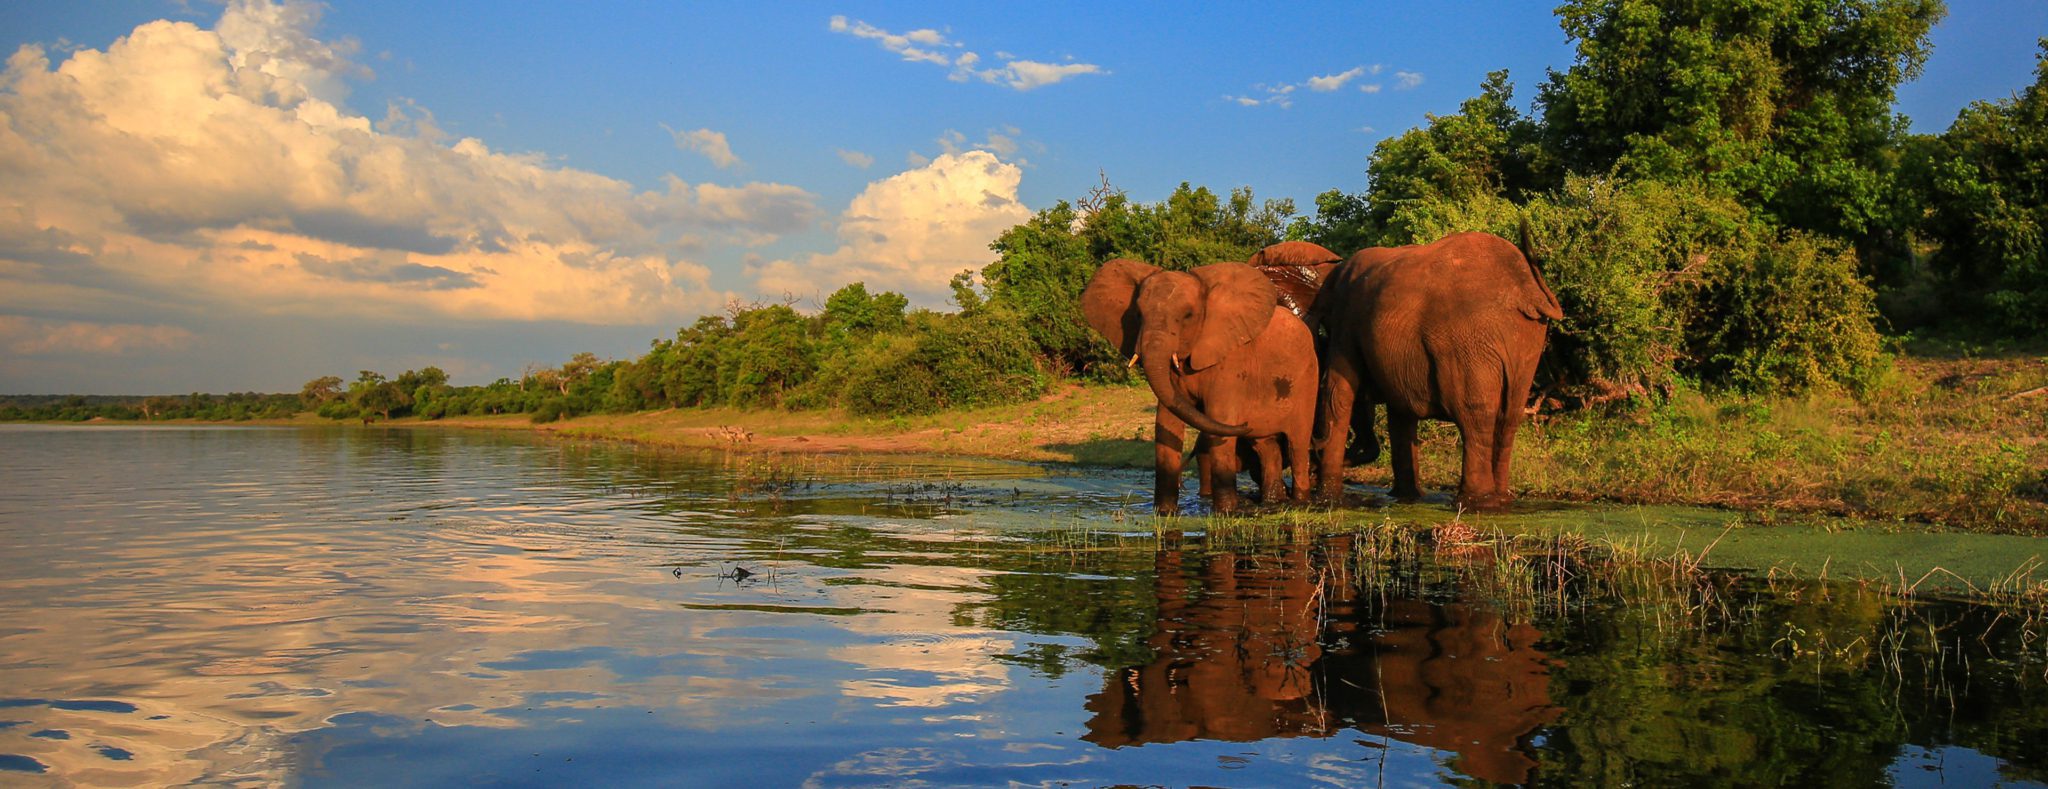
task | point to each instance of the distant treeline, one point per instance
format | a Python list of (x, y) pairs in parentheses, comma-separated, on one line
[(239, 406), (1718, 191)]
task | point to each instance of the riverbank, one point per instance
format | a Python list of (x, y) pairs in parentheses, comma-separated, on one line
[(1960, 443), (1957, 442)]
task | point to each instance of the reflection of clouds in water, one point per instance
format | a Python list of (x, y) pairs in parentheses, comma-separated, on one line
[(928, 663), (416, 577)]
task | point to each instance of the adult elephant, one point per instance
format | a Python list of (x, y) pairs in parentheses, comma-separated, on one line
[(1449, 330), (1297, 269), (1222, 356)]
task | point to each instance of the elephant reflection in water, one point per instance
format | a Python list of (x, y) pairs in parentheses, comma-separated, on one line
[(1274, 646)]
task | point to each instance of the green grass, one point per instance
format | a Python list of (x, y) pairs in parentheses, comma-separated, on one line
[(1953, 442)]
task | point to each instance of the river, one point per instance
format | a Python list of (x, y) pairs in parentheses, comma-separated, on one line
[(422, 607)]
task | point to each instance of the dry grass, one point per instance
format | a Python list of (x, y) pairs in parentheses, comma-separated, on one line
[(1957, 442)]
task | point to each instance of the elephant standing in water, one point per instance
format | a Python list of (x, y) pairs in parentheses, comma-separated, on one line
[(1297, 270), (1448, 330), (1222, 356)]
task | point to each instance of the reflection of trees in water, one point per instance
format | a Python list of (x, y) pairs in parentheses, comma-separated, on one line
[(1807, 683), (1601, 675), (1253, 647)]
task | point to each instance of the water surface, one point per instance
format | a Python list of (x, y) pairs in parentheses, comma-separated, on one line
[(355, 607)]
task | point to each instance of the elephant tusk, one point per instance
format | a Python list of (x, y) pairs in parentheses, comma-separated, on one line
[(1133, 362), (1176, 363)]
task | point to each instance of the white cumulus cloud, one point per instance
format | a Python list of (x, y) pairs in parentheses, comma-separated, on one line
[(1327, 83), (218, 168), (911, 232), (926, 45), (1281, 95), (707, 142)]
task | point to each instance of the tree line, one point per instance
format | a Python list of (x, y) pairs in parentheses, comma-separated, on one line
[(1718, 191)]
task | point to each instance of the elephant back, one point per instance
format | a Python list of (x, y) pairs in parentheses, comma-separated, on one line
[(1499, 265), (1297, 269)]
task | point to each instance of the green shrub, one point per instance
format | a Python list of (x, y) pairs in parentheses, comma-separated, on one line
[(552, 409), (946, 361), (1789, 315), (337, 409)]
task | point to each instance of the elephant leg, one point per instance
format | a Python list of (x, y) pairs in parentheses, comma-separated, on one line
[(1223, 459), (1168, 432), (1266, 453), (1511, 416), (1475, 484), (1297, 444), (1407, 476), (1204, 469), (1503, 456), (1334, 403), (1249, 454), (1365, 444)]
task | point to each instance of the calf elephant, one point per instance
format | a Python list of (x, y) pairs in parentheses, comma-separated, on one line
[(1222, 356), (1297, 270), (1448, 330)]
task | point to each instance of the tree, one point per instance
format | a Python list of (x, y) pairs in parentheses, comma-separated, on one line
[(373, 394), (575, 370), (1987, 188), (1784, 104), (1484, 150), (1040, 268), (320, 391), (768, 354), (851, 312)]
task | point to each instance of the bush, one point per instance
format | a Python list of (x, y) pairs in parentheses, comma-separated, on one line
[(946, 361), (337, 409), (1789, 315), (552, 409)]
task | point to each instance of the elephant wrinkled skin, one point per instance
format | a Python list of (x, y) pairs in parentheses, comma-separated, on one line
[(1449, 330), (1222, 356)]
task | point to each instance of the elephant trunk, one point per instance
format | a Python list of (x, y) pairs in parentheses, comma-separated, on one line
[(1160, 375)]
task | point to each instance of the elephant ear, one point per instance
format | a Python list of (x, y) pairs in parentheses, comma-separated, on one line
[(1294, 253), (1237, 302), (1109, 302)]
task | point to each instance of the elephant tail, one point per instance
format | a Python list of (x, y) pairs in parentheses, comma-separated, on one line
[(1543, 303)]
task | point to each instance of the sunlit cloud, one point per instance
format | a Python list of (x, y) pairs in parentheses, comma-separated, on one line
[(855, 158), (1325, 84), (219, 167), (707, 142), (32, 337), (1282, 95), (926, 45), (911, 46), (911, 232)]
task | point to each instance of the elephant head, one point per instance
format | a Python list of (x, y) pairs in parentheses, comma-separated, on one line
[(1177, 323)]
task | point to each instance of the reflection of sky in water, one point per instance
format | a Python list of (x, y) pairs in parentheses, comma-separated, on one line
[(429, 608), (212, 604)]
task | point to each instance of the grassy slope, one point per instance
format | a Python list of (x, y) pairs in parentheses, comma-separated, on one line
[(1958, 442)]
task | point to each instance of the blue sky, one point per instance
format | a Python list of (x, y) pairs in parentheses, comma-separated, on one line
[(259, 194)]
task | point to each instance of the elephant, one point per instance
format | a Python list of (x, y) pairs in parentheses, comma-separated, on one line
[(1449, 330), (1222, 356), (1297, 269)]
